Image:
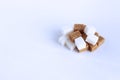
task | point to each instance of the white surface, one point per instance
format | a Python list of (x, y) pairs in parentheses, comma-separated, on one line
[(80, 43), (29, 32), (92, 39), (66, 29)]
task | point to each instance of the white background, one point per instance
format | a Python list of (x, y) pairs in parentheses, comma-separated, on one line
[(29, 30)]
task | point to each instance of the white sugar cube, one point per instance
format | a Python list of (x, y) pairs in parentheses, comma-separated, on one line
[(90, 30), (66, 30), (70, 44), (92, 39), (80, 43), (62, 40)]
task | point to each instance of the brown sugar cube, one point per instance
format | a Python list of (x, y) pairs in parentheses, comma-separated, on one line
[(79, 27), (92, 47), (97, 34), (84, 36), (74, 35), (100, 41)]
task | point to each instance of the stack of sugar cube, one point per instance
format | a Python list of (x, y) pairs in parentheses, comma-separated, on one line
[(81, 37)]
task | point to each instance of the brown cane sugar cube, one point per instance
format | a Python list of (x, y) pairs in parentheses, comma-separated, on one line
[(97, 34), (92, 47), (100, 41), (79, 27), (74, 35), (84, 36)]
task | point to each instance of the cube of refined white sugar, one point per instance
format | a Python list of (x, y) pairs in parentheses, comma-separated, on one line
[(62, 40), (90, 30), (66, 30), (80, 43), (70, 44), (92, 39)]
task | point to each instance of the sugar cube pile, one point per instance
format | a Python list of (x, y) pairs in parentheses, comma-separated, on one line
[(81, 37)]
